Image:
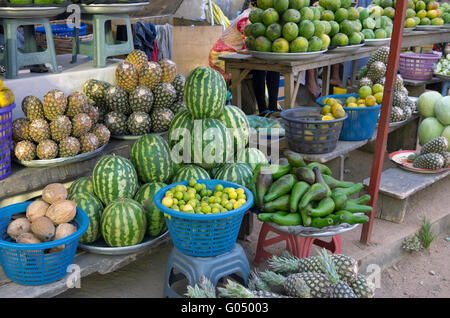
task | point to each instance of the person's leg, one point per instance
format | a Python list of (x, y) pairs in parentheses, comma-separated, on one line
[(311, 83), (259, 86), (335, 76), (273, 85)]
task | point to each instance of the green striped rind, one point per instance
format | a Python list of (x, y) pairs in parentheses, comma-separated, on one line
[(114, 177), (150, 156), (93, 207), (205, 93), (123, 223), (239, 173), (252, 157), (182, 120), (211, 143), (83, 184), (190, 171), (156, 224), (236, 120)]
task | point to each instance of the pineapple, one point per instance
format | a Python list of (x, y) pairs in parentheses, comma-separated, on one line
[(161, 119), (81, 124), (381, 81), (363, 288), (437, 145), (47, 149), (150, 75), (116, 123), (55, 103), (102, 132), (205, 289), (365, 81), (25, 150), (178, 83), (399, 98), (117, 100), (77, 103), (235, 290), (255, 283), (139, 123), (164, 95), (431, 161), (399, 84), (177, 106), (60, 128), (381, 55), (69, 146), (138, 58), (89, 142), (302, 285), (95, 92), (376, 71), (397, 114), (20, 129), (39, 130), (169, 70), (32, 108), (127, 76), (93, 113), (141, 99)]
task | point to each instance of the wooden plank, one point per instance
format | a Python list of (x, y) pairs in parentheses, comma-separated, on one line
[(411, 82)]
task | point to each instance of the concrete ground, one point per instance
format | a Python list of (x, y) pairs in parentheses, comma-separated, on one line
[(402, 274)]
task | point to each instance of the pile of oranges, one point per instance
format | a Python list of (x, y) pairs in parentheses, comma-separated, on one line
[(333, 109)]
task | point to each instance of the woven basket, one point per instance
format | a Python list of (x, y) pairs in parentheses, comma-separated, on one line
[(417, 66), (64, 44)]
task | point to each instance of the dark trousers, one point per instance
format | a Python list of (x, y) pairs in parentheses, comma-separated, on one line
[(260, 79)]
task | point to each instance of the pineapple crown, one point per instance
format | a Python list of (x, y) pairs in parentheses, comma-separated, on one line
[(256, 283), (328, 266), (205, 290), (283, 264), (234, 290), (272, 278)]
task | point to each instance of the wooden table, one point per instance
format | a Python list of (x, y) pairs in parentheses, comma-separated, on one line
[(240, 65)]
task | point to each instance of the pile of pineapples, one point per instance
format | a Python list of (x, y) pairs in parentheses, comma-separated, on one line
[(374, 73), (146, 97), (58, 126), (322, 276)]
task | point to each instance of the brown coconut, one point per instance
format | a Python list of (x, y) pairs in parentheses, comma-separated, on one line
[(54, 192), (43, 228), (63, 230), (36, 209), (62, 211), (18, 227), (27, 238)]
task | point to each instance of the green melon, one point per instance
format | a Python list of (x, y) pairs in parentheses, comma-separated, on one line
[(151, 157), (205, 93), (123, 223), (429, 129), (93, 207), (236, 121), (190, 171), (427, 103), (156, 225), (114, 177), (239, 173), (83, 184), (252, 157)]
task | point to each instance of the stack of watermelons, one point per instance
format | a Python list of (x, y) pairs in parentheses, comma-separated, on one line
[(209, 138)]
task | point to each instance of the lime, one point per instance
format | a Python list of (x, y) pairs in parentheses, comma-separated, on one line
[(369, 23), (340, 39), (299, 45), (280, 45), (364, 91), (264, 4), (327, 25), (334, 28), (380, 34), (353, 13), (290, 32), (378, 97), (319, 28), (340, 15), (327, 15), (297, 4), (347, 27), (306, 14), (377, 88), (281, 5), (368, 34), (263, 44), (291, 15), (270, 16), (256, 15), (315, 44), (325, 41), (250, 43), (389, 12), (167, 202)]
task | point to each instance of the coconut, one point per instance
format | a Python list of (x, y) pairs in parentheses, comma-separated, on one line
[(62, 211), (54, 192), (43, 228), (18, 227), (36, 209), (27, 238)]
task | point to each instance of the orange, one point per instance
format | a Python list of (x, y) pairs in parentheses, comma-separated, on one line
[(371, 100)]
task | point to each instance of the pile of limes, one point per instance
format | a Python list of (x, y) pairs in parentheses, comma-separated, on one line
[(196, 198), (367, 96), (333, 109)]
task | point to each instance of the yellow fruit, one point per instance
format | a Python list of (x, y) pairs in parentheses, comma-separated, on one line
[(6, 97), (338, 112), (325, 100), (167, 202), (327, 117), (360, 101), (326, 109), (379, 97), (331, 101), (352, 105), (377, 88), (1, 84), (307, 132), (371, 100), (361, 105), (351, 100)]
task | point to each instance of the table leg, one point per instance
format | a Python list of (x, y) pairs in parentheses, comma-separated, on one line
[(289, 98), (326, 80), (236, 87), (354, 72)]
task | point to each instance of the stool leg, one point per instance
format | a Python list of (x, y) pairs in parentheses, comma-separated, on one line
[(99, 42), (51, 47), (10, 35)]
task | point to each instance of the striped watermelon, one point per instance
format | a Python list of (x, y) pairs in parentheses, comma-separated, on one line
[(211, 143), (252, 157), (190, 171), (182, 120), (83, 184), (93, 207), (114, 177), (205, 93), (239, 173), (236, 120), (123, 223), (151, 157), (156, 225)]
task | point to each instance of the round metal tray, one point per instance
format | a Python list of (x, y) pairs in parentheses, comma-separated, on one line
[(428, 27), (100, 246), (375, 42), (136, 137), (285, 56), (114, 8), (60, 161), (400, 158), (30, 12), (347, 48), (408, 30), (315, 232)]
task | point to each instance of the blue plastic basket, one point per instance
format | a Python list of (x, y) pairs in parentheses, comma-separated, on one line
[(63, 30), (32, 264), (204, 235), (338, 96)]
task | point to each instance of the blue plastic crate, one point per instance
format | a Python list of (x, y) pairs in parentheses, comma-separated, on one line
[(32, 264), (63, 30), (204, 235)]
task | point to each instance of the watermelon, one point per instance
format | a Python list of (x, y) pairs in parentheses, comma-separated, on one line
[(114, 177), (211, 143), (205, 93), (182, 120), (151, 157), (252, 157), (156, 225), (123, 223), (190, 171), (93, 207), (83, 184), (239, 173), (236, 120)]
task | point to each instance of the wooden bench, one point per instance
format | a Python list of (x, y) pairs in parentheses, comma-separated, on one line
[(397, 186)]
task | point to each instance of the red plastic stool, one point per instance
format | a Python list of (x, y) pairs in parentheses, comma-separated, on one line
[(299, 246)]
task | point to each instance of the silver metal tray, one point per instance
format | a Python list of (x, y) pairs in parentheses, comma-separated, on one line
[(445, 26), (408, 30), (60, 161), (30, 12), (100, 246), (136, 137), (315, 232), (428, 27), (374, 42), (285, 56), (114, 8), (347, 48)]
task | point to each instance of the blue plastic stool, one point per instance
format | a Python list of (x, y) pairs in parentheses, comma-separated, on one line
[(214, 268)]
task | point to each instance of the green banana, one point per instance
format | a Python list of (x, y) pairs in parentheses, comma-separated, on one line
[(306, 219), (263, 183), (294, 159), (349, 191), (357, 208), (351, 218), (316, 192), (323, 168), (265, 217), (364, 199), (333, 183), (319, 222), (287, 219), (280, 204), (280, 187), (340, 200), (297, 193), (325, 207), (336, 218), (320, 180)]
